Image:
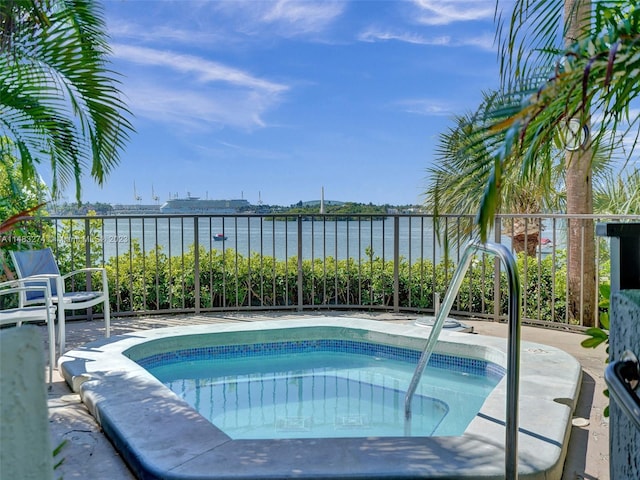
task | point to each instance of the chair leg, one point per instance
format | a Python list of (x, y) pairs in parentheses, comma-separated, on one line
[(107, 319), (61, 329), (52, 349)]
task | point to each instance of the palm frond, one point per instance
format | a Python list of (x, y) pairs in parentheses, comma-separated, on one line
[(618, 193), (58, 98), (596, 73), (11, 222)]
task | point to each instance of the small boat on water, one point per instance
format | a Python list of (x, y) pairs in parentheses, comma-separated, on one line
[(219, 237)]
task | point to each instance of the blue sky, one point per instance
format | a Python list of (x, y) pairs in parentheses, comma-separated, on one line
[(273, 100)]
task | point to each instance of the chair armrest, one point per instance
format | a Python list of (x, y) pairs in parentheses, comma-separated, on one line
[(84, 270), (45, 279), (27, 285), (39, 282), (90, 270), (40, 276), (32, 288)]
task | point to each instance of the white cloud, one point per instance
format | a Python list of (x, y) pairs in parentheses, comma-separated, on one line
[(427, 107), (444, 12), (235, 151), (214, 24), (164, 34), (205, 71), (194, 92), (484, 42), (196, 110), (285, 18), (373, 35), (303, 17)]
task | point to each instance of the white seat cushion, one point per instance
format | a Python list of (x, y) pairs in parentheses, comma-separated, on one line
[(72, 297)]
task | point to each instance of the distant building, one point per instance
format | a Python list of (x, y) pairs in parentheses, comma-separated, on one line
[(137, 209), (196, 205)]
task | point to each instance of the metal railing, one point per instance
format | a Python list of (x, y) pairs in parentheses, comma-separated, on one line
[(513, 346), (176, 264)]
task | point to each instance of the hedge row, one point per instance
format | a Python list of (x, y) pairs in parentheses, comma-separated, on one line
[(228, 280)]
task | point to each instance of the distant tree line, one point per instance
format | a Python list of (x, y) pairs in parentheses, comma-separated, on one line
[(82, 209), (347, 209)]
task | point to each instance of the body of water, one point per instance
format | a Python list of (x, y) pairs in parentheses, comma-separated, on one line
[(339, 239), (318, 238)]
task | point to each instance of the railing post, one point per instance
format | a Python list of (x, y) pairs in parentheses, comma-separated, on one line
[(624, 239), (300, 291), (196, 265), (87, 260), (497, 294), (396, 264)]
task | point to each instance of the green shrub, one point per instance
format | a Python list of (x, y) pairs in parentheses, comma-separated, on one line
[(228, 280)]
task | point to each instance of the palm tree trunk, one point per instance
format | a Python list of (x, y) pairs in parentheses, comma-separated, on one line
[(581, 241)]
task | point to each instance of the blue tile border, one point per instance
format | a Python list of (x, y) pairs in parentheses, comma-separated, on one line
[(221, 352)]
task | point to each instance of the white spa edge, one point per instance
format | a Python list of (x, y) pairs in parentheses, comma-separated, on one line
[(160, 436)]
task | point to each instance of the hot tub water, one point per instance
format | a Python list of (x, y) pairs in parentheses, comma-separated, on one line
[(324, 394)]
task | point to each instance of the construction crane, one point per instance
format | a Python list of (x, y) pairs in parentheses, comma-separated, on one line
[(136, 197)]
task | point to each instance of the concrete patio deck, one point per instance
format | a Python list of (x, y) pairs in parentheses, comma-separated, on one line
[(89, 454)]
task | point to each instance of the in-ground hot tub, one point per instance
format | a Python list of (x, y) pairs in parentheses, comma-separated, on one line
[(160, 433)]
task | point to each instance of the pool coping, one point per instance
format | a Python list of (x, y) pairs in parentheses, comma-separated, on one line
[(146, 421)]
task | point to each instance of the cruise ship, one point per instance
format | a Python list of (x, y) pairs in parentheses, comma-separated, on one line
[(191, 204)]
